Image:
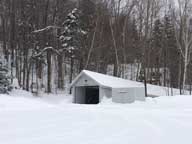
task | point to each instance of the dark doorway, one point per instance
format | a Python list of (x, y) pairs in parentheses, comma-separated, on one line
[(92, 95)]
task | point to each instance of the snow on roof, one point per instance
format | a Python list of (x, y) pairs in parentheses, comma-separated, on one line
[(114, 82), (108, 81)]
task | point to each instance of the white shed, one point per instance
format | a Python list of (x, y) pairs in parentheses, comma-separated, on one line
[(90, 88)]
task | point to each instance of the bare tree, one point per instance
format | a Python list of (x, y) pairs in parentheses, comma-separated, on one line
[(184, 35)]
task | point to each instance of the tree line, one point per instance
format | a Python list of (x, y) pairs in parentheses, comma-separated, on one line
[(46, 43)]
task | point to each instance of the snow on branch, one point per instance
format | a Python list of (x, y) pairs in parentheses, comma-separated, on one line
[(46, 29), (44, 50)]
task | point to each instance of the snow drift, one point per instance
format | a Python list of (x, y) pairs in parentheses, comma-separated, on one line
[(26, 119)]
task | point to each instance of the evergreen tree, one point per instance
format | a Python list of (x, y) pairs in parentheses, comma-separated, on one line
[(156, 51), (71, 37), (72, 34), (171, 52), (134, 40), (157, 38), (5, 84)]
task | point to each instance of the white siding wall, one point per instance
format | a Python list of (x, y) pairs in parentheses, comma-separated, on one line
[(79, 95), (85, 81), (123, 95), (105, 92), (140, 94)]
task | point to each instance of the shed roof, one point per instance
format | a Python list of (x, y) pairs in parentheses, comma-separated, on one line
[(108, 81)]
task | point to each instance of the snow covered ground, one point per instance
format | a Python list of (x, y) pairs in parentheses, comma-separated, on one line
[(53, 119)]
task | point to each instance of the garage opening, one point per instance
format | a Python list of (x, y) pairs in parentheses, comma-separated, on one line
[(87, 95), (92, 95)]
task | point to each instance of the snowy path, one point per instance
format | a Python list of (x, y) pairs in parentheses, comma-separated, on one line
[(159, 121)]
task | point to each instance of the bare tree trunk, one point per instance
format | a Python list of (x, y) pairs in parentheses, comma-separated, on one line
[(180, 74), (71, 69), (12, 36), (49, 71), (92, 43), (28, 75), (60, 72), (116, 64), (146, 45), (4, 38), (185, 70), (48, 51)]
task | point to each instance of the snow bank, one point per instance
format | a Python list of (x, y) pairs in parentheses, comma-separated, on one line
[(22, 101), (154, 90)]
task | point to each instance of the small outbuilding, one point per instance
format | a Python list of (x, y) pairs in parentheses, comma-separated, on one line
[(90, 88)]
